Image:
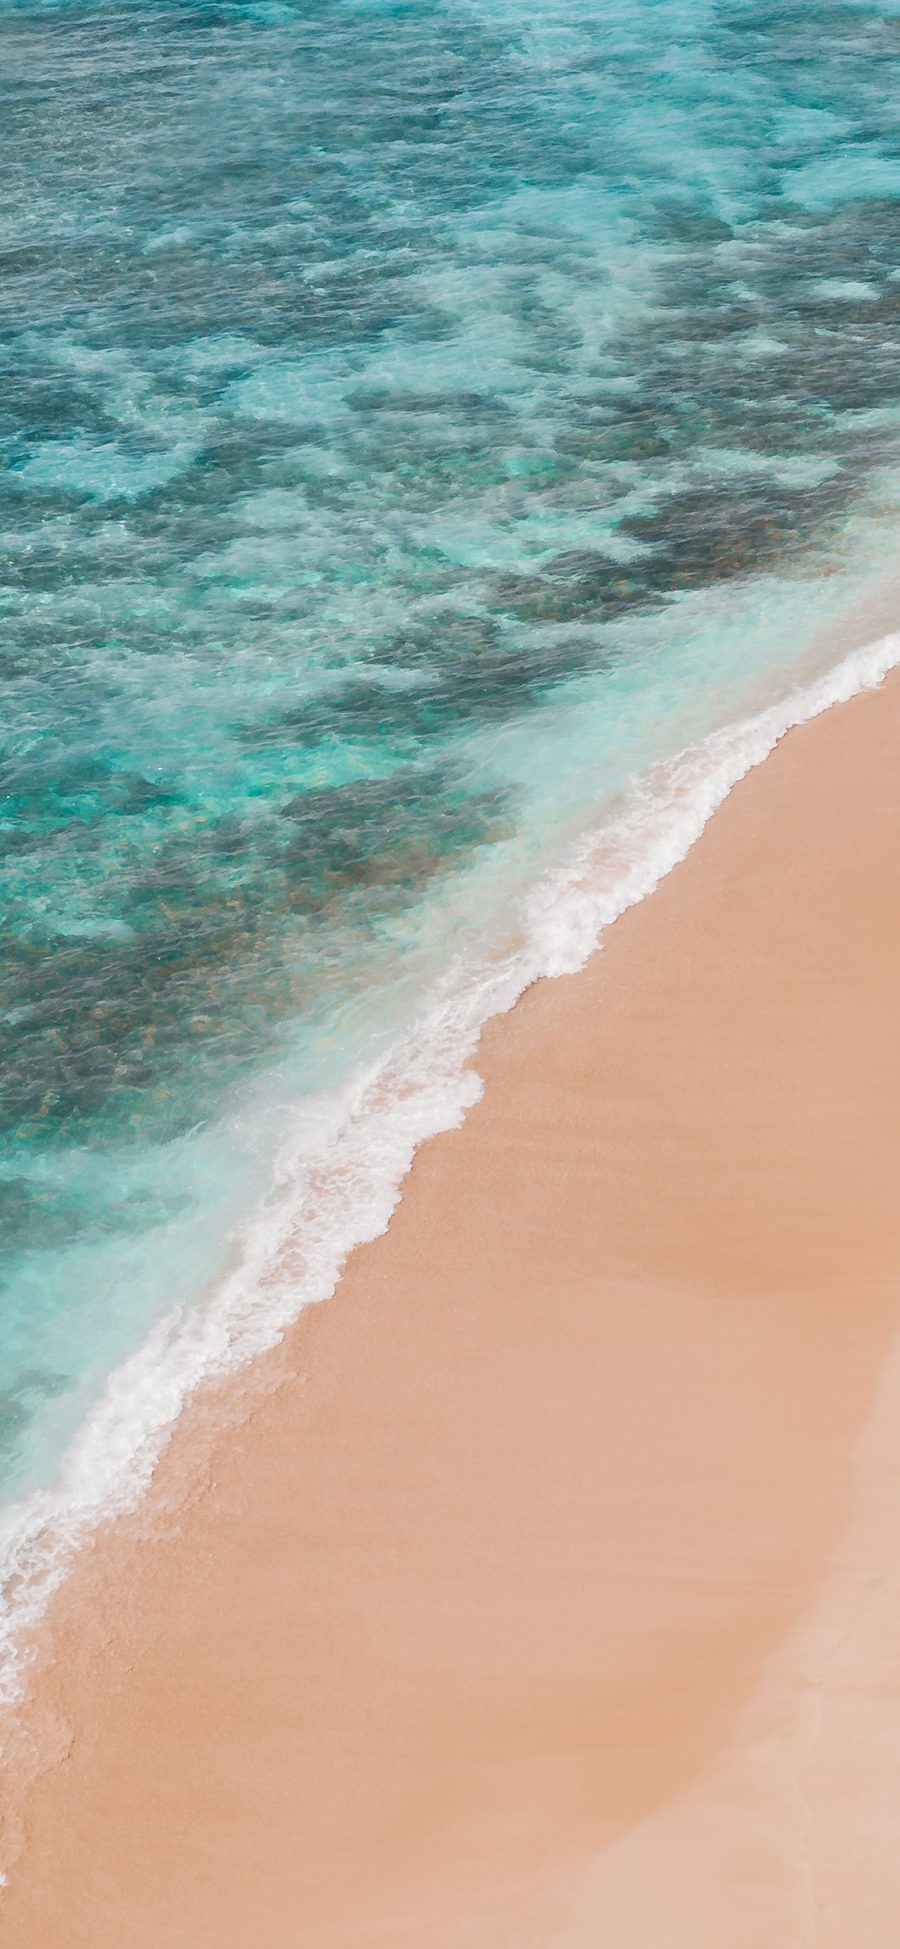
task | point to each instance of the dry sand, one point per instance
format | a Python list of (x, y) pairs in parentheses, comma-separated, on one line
[(543, 1589)]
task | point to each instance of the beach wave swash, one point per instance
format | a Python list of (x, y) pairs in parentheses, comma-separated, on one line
[(338, 1176)]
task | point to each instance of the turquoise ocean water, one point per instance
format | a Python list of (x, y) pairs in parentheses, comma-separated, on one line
[(420, 421)]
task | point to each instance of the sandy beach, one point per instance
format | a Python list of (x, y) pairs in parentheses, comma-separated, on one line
[(543, 1587)]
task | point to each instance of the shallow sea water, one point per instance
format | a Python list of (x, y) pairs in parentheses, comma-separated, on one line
[(418, 421)]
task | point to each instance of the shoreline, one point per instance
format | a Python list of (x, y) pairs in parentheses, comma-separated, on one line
[(392, 1109), (484, 1584)]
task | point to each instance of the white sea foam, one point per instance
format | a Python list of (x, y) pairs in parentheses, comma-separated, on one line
[(338, 1178)]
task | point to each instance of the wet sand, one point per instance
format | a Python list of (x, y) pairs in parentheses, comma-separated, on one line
[(543, 1588)]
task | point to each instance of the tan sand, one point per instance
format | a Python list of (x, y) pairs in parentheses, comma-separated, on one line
[(545, 1590)]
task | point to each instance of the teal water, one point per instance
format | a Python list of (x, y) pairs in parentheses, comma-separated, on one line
[(417, 420)]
